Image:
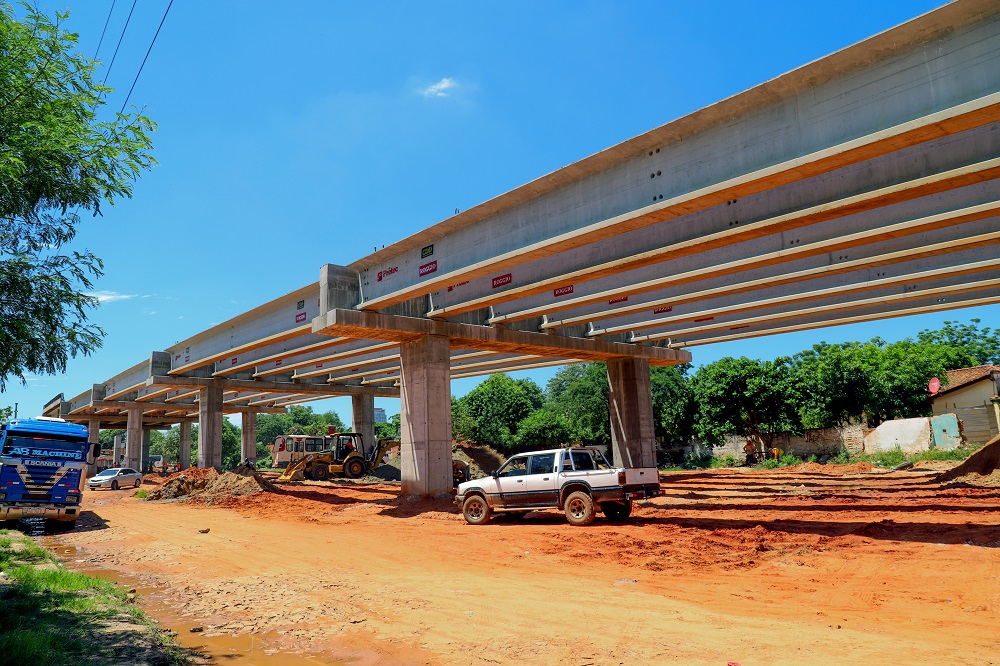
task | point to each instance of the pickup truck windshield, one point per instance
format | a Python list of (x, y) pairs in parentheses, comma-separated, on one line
[(514, 467), (44, 447)]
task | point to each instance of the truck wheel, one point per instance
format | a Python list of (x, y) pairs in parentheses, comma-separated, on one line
[(114, 485), (580, 508), (354, 468), (476, 510), (617, 511), (320, 472)]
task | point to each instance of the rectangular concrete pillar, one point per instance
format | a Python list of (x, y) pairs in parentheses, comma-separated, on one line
[(630, 405), (425, 412), (363, 413), (185, 450), (133, 438), (116, 452), (249, 437), (93, 436), (144, 457), (210, 427)]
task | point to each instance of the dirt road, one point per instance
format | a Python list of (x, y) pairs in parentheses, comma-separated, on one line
[(809, 566)]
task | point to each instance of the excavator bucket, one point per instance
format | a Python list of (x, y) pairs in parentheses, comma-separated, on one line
[(292, 475)]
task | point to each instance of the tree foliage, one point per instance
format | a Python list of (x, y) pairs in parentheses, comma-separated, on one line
[(544, 429), (980, 345), (300, 420), (747, 397), (56, 160), (497, 406), (580, 394)]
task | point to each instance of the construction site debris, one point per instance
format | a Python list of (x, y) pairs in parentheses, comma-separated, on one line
[(207, 484)]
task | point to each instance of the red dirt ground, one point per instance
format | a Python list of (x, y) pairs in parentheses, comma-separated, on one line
[(811, 565)]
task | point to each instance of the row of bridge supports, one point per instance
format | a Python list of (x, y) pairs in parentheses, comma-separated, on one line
[(135, 452)]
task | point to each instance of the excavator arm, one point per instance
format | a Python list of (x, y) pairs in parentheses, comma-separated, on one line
[(296, 472)]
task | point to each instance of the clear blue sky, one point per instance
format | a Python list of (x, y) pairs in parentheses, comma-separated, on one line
[(302, 133)]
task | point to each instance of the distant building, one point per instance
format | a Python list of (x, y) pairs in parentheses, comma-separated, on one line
[(380, 415), (971, 394)]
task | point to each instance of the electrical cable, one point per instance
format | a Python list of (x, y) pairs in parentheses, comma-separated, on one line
[(101, 41), (148, 51), (112, 64)]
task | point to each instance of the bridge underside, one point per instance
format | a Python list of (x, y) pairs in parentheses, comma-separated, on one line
[(863, 186)]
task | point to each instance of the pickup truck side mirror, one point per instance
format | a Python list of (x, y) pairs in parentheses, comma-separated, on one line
[(495, 474)]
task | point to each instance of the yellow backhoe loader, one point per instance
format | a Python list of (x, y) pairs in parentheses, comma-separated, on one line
[(345, 458)]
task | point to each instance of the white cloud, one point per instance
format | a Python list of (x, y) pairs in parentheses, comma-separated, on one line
[(109, 296), (439, 89)]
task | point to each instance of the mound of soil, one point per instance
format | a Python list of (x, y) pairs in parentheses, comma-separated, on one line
[(983, 462), (209, 485), (482, 460)]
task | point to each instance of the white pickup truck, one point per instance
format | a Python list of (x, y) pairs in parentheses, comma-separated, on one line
[(576, 480)]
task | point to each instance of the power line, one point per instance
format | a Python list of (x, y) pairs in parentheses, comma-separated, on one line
[(108, 73), (167, 11), (101, 41)]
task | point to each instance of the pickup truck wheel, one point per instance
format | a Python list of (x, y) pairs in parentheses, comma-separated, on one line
[(320, 472), (476, 510), (580, 508), (617, 511), (354, 468)]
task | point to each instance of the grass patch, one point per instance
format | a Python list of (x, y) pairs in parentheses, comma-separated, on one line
[(142, 493), (56, 617), (895, 457)]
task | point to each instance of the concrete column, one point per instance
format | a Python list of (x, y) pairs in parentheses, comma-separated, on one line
[(210, 427), (144, 457), (249, 437), (93, 436), (133, 438), (425, 410), (363, 413), (116, 452), (630, 404), (185, 453)]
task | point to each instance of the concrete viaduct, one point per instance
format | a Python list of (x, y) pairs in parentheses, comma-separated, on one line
[(864, 185)]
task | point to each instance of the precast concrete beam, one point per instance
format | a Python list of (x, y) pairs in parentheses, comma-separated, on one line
[(425, 416), (303, 388), (408, 329), (210, 427), (363, 419), (959, 118), (630, 407)]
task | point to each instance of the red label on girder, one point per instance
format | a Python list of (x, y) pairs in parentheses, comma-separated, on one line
[(456, 286), (501, 280), (704, 319), (278, 362), (234, 361), (299, 318), (562, 291), (665, 308), (387, 272), (427, 269), (620, 299)]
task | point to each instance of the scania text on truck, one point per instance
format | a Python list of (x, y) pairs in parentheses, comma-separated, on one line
[(43, 463)]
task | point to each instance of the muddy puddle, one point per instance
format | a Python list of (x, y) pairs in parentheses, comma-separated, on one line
[(241, 650)]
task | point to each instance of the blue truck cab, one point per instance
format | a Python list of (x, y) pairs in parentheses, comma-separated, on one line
[(43, 463)]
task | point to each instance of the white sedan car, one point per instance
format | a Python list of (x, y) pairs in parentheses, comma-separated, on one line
[(115, 478)]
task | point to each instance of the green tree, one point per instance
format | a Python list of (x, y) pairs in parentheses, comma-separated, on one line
[(56, 160), (300, 420), (545, 429), (232, 444), (391, 429), (673, 403), (981, 346), (6, 413), (463, 426), (580, 393), (752, 398), (497, 405)]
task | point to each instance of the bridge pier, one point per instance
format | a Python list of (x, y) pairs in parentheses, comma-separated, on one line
[(363, 419), (144, 455), (425, 415), (210, 427), (185, 449), (630, 406), (116, 452), (249, 451), (133, 438), (93, 436)]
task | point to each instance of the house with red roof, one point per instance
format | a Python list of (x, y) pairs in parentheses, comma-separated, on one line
[(972, 395)]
